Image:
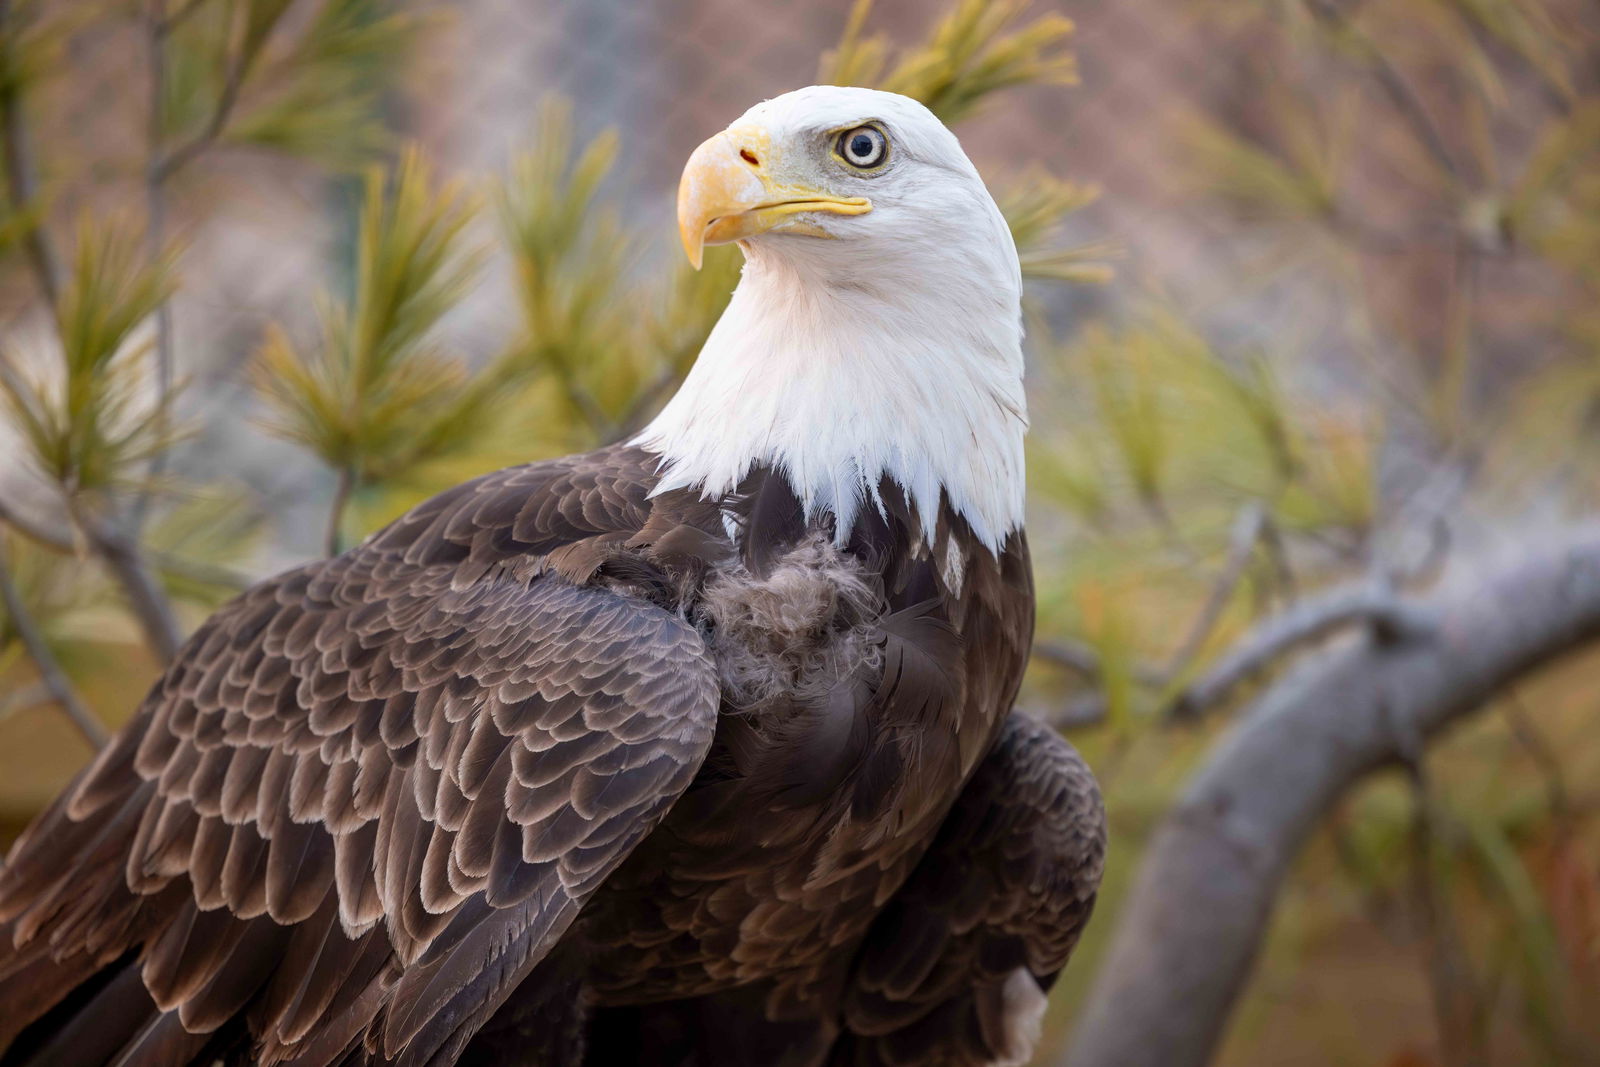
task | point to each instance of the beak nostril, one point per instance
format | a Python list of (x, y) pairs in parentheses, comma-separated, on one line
[(749, 157)]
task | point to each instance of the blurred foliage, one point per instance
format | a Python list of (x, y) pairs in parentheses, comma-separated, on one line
[(259, 73), (1391, 348), (82, 420), (377, 396), (1036, 206), (611, 338), (1414, 185), (974, 51)]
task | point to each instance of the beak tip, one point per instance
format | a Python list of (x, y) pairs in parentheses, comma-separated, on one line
[(694, 248)]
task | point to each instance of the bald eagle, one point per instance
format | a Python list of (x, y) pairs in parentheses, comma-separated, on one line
[(695, 749)]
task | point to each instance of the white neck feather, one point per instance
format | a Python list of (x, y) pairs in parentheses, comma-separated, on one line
[(837, 379)]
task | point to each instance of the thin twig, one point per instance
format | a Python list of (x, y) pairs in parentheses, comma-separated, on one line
[(1241, 546), (171, 162), (1387, 242), (156, 29), (1083, 710), (1393, 83), (1156, 509), (334, 540), (1376, 901), (20, 180), (633, 419), (65, 541), (1458, 1003), (195, 570), (1555, 96), (1084, 661), (587, 406), (51, 676), (1544, 756), (1075, 656), (170, 22), (1277, 549), (1431, 565), (57, 540), (23, 698)]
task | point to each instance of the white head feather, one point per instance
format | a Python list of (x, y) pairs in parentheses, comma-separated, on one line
[(893, 349)]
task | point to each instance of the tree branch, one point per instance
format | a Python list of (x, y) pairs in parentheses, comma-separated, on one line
[(20, 182), (1089, 708), (129, 566), (1311, 619), (1075, 656), (146, 598), (62, 540), (1256, 652), (1191, 928), (1079, 711), (51, 676), (122, 553)]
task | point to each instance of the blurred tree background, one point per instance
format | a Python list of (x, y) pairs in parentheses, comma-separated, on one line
[(1314, 306)]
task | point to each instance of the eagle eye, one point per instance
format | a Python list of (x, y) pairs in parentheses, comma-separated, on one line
[(863, 147)]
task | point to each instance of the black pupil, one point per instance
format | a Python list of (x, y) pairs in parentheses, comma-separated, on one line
[(861, 146)]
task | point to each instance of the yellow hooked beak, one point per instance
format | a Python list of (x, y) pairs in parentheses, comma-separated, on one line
[(727, 193)]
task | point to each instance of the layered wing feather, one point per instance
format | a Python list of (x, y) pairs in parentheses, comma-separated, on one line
[(953, 967), (371, 793)]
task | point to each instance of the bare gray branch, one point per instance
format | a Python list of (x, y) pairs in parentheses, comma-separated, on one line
[(51, 676), (1194, 922), (1317, 617)]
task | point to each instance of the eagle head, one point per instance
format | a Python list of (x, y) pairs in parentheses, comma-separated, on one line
[(874, 170), (876, 331)]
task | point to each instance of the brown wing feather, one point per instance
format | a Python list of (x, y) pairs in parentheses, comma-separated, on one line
[(1008, 885), (370, 793)]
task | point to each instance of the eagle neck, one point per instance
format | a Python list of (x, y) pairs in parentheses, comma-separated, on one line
[(839, 380)]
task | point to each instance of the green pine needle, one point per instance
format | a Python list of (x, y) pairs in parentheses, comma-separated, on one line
[(370, 398), (85, 421)]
